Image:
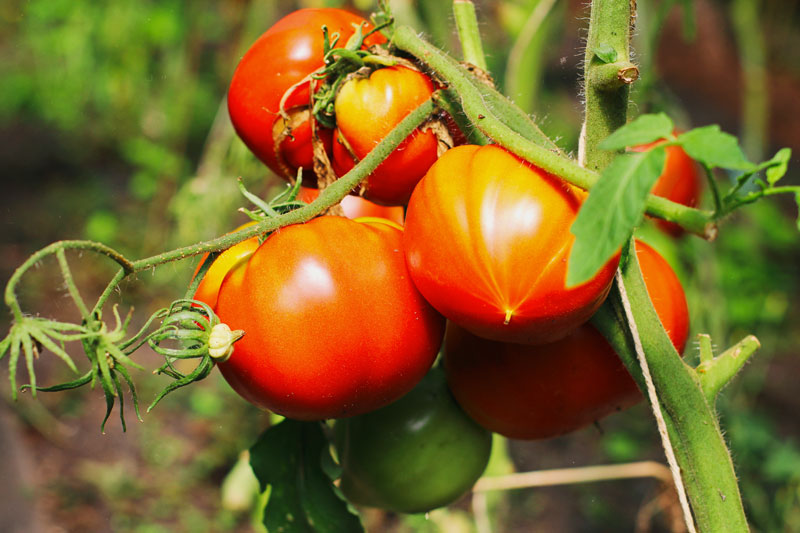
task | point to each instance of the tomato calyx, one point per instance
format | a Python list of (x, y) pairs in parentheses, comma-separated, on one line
[(221, 341)]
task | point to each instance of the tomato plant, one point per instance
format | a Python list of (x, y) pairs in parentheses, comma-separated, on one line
[(536, 392), (278, 64), (487, 240), (416, 454), (208, 289), (366, 110), (333, 325), (355, 206), (680, 181)]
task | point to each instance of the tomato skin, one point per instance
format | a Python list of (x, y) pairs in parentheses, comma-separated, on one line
[(680, 182), (285, 54), (536, 392), (333, 325), (416, 454), (208, 289), (356, 207), (367, 109), (487, 240)]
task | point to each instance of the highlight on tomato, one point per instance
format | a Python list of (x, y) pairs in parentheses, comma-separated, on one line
[(333, 324), (487, 240), (278, 64), (537, 392), (367, 109), (416, 454)]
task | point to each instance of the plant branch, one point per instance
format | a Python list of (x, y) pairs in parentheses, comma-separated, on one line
[(700, 450), (716, 372), (468, 33), (509, 126)]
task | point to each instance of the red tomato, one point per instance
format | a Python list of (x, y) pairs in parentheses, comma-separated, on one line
[(535, 392), (333, 325), (282, 57), (487, 240), (208, 289), (356, 207), (369, 108), (680, 182)]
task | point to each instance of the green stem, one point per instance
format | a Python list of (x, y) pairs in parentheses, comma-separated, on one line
[(329, 197), (448, 101), (468, 33), (510, 127), (605, 109), (715, 373), (705, 463)]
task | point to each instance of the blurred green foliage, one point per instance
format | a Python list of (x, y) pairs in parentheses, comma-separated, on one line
[(113, 127)]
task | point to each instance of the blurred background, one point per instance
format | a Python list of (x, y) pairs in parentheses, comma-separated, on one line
[(113, 128)]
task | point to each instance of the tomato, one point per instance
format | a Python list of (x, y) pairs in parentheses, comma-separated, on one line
[(416, 454), (333, 324), (369, 108), (355, 206), (680, 182), (535, 392), (281, 58), (208, 289), (487, 240)]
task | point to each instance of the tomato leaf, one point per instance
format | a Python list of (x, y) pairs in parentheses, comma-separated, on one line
[(642, 130), (714, 148), (289, 458), (605, 53), (781, 164), (615, 205)]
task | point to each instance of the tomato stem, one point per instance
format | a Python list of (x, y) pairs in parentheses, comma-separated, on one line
[(468, 33), (500, 120)]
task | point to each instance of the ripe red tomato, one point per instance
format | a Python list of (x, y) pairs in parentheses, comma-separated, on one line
[(535, 392), (356, 207), (369, 108), (680, 182), (487, 240), (282, 57), (333, 324), (208, 289)]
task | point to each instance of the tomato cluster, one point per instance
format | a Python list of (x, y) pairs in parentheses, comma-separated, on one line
[(271, 104), (342, 318)]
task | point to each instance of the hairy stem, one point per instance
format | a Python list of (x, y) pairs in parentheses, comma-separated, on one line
[(510, 127), (468, 33)]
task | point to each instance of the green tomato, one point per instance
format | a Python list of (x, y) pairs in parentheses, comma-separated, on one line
[(416, 454)]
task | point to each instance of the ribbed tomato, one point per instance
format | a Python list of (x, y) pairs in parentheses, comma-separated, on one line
[(355, 206), (280, 59), (333, 324), (369, 108), (487, 241), (535, 392)]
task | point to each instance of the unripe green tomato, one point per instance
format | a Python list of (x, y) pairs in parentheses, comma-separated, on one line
[(416, 454)]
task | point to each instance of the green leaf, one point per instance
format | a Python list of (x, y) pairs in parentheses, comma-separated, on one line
[(615, 205), (781, 164), (287, 457), (714, 148), (642, 130), (605, 53)]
